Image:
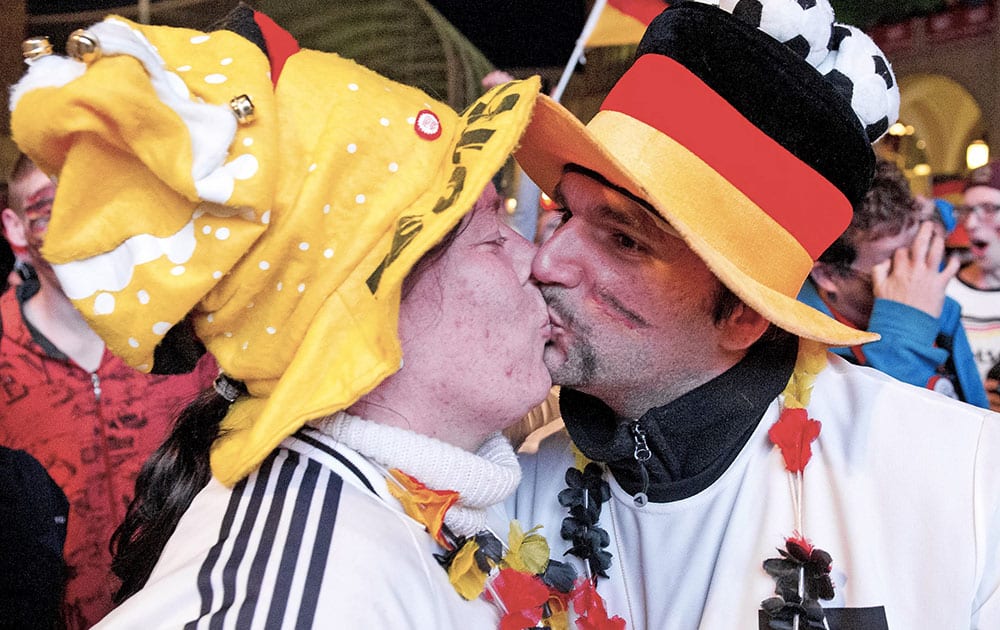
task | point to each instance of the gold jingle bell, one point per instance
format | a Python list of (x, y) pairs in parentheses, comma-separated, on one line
[(242, 106), (83, 46), (35, 47)]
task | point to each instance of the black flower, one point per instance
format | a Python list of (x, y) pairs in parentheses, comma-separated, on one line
[(782, 613), (559, 576), (799, 561), (584, 495)]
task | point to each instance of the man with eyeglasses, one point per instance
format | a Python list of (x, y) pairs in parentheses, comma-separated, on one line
[(885, 275), (977, 286)]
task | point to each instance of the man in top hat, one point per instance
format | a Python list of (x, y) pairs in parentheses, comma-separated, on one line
[(722, 469)]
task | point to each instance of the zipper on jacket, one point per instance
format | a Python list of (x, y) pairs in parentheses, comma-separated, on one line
[(641, 455), (95, 380)]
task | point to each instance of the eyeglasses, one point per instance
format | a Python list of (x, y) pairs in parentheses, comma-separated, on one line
[(982, 210)]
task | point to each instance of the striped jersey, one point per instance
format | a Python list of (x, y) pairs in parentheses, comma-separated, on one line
[(311, 539)]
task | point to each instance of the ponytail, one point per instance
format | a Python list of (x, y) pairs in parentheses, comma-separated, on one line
[(168, 482)]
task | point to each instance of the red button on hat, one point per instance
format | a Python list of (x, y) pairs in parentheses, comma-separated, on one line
[(427, 125)]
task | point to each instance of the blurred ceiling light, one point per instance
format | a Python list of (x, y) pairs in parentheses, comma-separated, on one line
[(548, 203), (511, 205), (922, 169), (977, 154), (897, 129)]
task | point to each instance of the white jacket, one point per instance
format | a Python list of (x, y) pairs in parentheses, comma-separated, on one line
[(903, 490)]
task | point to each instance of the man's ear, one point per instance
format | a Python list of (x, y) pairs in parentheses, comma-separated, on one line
[(825, 277), (13, 228), (742, 328)]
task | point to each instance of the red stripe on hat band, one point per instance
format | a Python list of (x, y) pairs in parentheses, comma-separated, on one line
[(663, 94)]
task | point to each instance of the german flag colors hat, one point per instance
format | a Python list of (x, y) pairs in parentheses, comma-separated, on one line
[(755, 156), (278, 195)]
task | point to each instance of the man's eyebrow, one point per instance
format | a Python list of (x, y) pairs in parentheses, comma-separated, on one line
[(627, 219), (39, 202), (654, 218)]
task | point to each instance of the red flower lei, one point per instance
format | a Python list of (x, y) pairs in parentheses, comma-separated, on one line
[(802, 572), (530, 589)]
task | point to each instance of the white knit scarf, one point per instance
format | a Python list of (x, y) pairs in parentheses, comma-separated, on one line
[(482, 479)]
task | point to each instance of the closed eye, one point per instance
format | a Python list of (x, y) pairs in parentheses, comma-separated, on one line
[(564, 215), (625, 241)]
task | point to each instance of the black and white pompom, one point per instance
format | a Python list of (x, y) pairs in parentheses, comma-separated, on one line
[(859, 70), (844, 55), (802, 25)]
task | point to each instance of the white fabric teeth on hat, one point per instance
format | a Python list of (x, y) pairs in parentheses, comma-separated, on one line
[(113, 270), (802, 25), (48, 71), (210, 127)]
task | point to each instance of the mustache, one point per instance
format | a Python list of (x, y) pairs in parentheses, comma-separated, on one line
[(555, 298)]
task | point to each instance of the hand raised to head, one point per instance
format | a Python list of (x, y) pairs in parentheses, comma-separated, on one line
[(913, 276)]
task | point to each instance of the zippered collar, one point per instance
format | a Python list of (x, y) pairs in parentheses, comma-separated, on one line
[(690, 441)]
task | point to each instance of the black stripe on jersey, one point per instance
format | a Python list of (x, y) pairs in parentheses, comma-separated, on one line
[(205, 573), (305, 437), (277, 504), (263, 516), (290, 554), (320, 552), (239, 550)]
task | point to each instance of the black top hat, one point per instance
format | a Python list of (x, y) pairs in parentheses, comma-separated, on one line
[(752, 154)]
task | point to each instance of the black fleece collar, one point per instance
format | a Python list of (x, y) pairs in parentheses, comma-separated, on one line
[(693, 439)]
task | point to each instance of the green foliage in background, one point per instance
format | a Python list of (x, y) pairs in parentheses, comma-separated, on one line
[(866, 13)]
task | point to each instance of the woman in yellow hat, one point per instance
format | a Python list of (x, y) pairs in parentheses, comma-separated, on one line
[(336, 242)]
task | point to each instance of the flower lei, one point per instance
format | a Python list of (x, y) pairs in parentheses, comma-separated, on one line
[(802, 572), (530, 589)]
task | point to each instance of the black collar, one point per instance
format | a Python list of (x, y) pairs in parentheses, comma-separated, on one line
[(693, 439), (29, 287)]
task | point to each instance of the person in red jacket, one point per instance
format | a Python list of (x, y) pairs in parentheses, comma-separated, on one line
[(90, 419)]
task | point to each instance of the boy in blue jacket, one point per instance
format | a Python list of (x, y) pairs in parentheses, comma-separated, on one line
[(884, 275)]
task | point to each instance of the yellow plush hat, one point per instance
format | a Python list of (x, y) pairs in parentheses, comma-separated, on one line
[(286, 235)]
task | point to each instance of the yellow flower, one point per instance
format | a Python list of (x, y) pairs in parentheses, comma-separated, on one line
[(529, 552), (559, 620), (810, 362), (464, 574), (580, 460)]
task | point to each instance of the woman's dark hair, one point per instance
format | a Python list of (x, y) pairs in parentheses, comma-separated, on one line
[(178, 470), (165, 487)]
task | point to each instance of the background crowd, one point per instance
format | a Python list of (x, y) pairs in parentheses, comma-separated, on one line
[(78, 423)]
